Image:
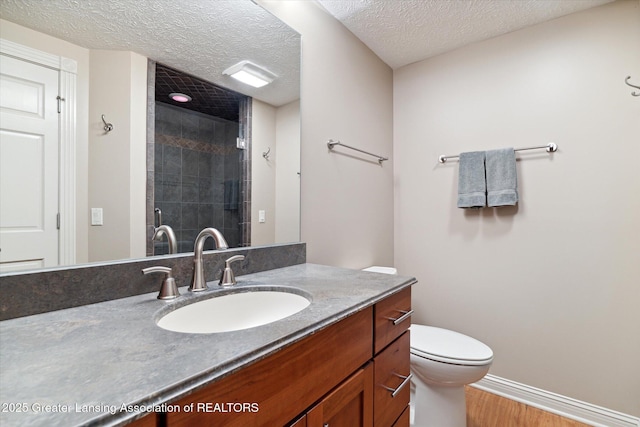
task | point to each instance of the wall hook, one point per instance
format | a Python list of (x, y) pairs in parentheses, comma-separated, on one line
[(629, 84), (266, 153), (108, 127)]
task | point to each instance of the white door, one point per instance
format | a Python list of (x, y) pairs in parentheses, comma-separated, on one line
[(28, 165)]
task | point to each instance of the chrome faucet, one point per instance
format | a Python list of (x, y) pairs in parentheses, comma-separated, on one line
[(158, 232), (198, 283), (228, 278), (168, 290)]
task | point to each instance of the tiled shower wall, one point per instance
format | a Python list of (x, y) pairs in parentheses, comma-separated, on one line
[(197, 176)]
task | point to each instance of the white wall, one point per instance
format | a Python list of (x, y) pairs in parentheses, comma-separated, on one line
[(43, 42), (263, 172), (117, 165), (552, 285), (138, 152), (287, 161), (346, 94), (275, 181)]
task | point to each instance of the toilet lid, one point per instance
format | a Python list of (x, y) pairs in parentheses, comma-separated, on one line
[(448, 346)]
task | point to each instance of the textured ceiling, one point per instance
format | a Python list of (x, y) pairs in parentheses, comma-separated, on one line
[(204, 37), (401, 32), (200, 37), (206, 97)]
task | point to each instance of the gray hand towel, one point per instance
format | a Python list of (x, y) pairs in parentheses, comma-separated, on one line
[(231, 194), (471, 181), (502, 186)]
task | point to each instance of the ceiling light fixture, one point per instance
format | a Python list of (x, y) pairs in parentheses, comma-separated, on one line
[(179, 97), (250, 73)]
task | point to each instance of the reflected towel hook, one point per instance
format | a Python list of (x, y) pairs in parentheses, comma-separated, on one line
[(266, 153), (629, 84), (108, 127)]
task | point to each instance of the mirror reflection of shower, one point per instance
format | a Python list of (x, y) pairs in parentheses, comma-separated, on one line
[(198, 167)]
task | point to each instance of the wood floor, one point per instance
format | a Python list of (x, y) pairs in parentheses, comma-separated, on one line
[(489, 410)]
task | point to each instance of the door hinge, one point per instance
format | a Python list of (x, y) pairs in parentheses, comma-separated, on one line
[(60, 99), (58, 220)]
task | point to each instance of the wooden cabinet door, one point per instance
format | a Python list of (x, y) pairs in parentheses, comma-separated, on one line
[(404, 420), (349, 405), (285, 384), (392, 388)]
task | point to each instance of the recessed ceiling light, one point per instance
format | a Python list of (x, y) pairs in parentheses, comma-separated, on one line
[(250, 73), (179, 97)]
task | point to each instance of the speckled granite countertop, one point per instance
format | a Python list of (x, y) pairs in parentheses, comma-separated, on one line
[(79, 366)]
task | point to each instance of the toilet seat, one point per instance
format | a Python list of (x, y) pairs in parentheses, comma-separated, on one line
[(447, 346)]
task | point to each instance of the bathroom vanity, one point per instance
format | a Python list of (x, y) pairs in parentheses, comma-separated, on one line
[(355, 370), (344, 360)]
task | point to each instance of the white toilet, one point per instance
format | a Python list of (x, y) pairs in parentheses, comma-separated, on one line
[(442, 363)]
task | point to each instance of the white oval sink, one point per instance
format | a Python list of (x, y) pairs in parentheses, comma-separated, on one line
[(233, 312)]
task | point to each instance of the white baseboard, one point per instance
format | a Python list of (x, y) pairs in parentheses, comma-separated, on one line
[(555, 403)]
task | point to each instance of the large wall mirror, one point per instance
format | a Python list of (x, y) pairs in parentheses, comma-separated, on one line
[(128, 54)]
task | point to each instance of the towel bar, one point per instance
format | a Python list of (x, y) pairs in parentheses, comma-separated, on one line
[(333, 143), (550, 147)]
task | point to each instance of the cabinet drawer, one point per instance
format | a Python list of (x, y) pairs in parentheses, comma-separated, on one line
[(392, 388), (392, 318)]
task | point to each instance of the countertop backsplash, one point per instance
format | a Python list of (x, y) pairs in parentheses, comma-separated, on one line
[(41, 291)]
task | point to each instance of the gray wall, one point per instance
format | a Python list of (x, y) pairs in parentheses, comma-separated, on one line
[(552, 285), (346, 94)]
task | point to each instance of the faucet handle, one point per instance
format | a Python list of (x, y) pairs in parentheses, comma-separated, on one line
[(168, 290), (228, 278), (234, 258)]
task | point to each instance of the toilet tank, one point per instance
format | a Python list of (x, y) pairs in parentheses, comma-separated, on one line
[(378, 269)]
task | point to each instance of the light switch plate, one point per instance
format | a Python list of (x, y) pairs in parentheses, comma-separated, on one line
[(96, 216)]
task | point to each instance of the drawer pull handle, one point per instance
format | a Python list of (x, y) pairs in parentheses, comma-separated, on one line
[(395, 391), (405, 315)]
